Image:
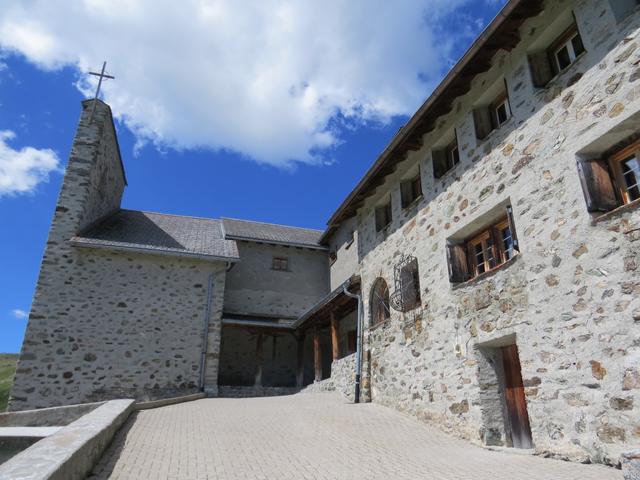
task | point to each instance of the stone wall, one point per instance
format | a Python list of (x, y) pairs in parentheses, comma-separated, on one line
[(254, 288), (106, 324), (570, 300), (342, 379), (345, 246)]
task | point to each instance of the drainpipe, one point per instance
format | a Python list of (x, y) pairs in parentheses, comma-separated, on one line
[(205, 333), (358, 342)]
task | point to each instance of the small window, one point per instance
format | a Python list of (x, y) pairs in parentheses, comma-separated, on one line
[(383, 217), (411, 190), (612, 181), (380, 310), (484, 251), (445, 160), (491, 117), (558, 57), (500, 111), (567, 49), (333, 256), (280, 263)]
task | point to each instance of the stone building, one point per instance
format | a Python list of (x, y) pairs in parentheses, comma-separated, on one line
[(488, 258)]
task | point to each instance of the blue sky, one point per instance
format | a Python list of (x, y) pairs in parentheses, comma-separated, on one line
[(285, 143)]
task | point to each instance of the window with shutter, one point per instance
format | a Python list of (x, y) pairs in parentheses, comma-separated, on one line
[(280, 263), (541, 69), (482, 122), (484, 251), (446, 159), (411, 190), (625, 165), (597, 185), (383, 216)]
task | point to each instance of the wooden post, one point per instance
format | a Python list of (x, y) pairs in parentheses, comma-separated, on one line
[(300, 372), (259, 342), (335, 336), (317, 354)]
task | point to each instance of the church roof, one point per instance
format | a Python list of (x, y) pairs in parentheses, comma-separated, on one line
[(271, 233), (148, 232)]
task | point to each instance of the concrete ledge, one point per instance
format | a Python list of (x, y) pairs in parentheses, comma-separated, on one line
[(47, 417), (26, 432), (168, 401), (70, 453)]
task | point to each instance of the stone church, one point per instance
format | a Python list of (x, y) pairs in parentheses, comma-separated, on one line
[(483, 275)]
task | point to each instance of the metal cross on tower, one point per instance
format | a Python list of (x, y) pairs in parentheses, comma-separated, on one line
[(100, 75)]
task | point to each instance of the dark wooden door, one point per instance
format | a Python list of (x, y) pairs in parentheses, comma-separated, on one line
[(515, 399)]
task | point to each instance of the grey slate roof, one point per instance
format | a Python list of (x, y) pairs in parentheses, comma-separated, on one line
[(271, 233), (160, 233)]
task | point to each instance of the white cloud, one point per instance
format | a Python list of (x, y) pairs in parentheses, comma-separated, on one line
[(22, 170), (19, 314), (266, 78)]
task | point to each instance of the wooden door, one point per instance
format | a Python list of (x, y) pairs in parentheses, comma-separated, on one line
[(516, 402)]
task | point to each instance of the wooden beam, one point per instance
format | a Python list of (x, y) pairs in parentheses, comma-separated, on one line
[(317, 354), (259, 343), (335, 336), (300, 352)]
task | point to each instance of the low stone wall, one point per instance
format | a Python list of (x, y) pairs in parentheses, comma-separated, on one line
[(169, 401), (342, 379), (631, 465), (47, 417), (70, 453)]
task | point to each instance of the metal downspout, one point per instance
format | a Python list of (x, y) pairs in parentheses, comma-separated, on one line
[(358, 342), (205, 333)]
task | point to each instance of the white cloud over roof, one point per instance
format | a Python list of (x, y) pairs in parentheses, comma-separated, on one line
[(21, 170), (270, 79)]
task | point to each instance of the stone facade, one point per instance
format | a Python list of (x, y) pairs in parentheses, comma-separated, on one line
[(254, 288), (570, 300), (107, 324)]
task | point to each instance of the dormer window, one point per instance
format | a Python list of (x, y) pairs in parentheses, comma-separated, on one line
[(383, 216)]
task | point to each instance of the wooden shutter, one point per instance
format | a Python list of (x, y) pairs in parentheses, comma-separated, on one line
[(541, 70), (597, 185), (512, 229), (439, 159), (406, 192), (482, 122), (457, 263)]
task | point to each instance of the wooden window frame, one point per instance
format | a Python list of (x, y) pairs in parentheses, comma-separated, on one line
[(280, 264), (462, 257), (452, 161), (499, 101), (615, 163), (565, 40), (386, 208)]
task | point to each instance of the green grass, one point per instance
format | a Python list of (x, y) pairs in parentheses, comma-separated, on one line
[(7, 370)]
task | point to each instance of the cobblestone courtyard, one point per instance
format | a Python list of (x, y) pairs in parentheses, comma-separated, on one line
[(309, 436)]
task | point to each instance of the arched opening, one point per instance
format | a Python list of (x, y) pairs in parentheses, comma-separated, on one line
[(379, 302)]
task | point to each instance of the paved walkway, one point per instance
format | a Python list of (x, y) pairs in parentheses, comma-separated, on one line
[(309, 437)]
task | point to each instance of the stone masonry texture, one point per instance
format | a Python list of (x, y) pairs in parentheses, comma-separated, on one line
[(570, 300), (106, 324)]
